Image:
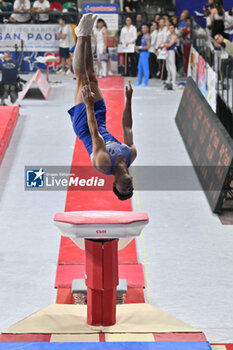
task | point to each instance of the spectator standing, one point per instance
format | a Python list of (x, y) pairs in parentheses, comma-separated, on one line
[(207, 8), (101, 47), (139, 28), (129, 36), (153, 58), (228, 23), (139, 34), (41, 8), (217, 18), (206, 11), (170, 46), (9, 70), (64, 45), (167, 24), (162, 33), (143, 63), (185, 36), (161, 38), (180, 46), (166, 17), (183, 19), (175, 22), (129, 6), (136, 4), (21, 13), (157, 17)]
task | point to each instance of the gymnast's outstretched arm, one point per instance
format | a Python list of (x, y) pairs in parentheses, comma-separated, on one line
[(127, 122), (101, 159)]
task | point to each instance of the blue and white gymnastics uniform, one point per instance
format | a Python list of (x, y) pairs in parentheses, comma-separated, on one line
[(115, 148)]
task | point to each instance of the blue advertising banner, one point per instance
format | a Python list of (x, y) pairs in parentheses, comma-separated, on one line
[(108, 12), (100, 8)]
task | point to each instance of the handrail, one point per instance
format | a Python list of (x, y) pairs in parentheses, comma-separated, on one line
[(223, 66)]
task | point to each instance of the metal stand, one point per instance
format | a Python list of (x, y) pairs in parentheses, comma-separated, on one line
[(21, 64), (101, 281), (162, 69), (47, 72), (79, 291), (126, 63)]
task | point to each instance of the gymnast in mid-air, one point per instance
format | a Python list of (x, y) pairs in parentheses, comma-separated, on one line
[(88, 116)]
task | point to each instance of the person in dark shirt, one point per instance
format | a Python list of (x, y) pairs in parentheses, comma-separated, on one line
[(9, 69), (6, 6), (139, 28), (129, 6)]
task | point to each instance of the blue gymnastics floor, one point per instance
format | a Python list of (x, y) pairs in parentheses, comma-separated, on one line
[(109, 346)]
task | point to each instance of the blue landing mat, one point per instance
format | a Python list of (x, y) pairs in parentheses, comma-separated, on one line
[(108, 346)]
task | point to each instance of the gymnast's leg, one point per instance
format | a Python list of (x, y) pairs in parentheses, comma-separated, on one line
[(82, 59), (91, 72), (79, 67), (140, 69)]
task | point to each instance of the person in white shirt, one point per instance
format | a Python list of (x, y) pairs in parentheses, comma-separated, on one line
[(162, 34), (128, 33), (229, 24), (167, 25), (101, 47), (161, 39), (170, 46), (64, 45), (21, 12), (41, 8), (129, 36), (152, 58)]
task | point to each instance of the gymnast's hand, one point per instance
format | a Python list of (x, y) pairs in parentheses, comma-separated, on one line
[(88, 96), (129, 91)]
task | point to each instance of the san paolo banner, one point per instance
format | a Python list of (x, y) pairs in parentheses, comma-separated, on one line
[(38, 40), (35, 37)]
